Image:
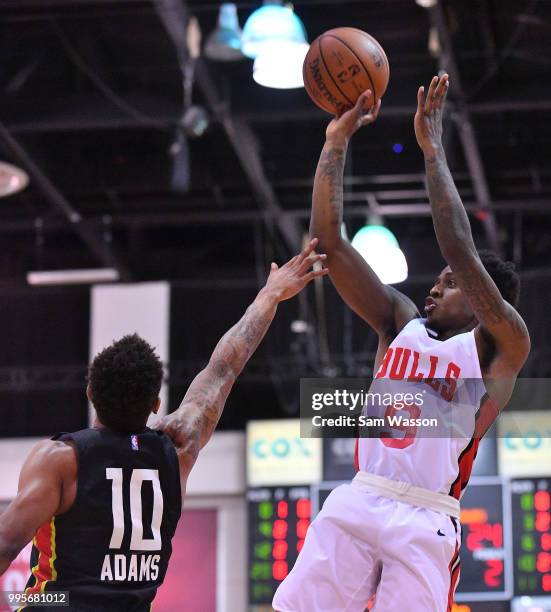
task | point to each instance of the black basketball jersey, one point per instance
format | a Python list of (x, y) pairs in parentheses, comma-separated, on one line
[(111, 549)]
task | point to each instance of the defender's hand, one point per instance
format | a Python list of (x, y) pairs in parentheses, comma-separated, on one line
[(428, 118), (342, 128), (291, 278)]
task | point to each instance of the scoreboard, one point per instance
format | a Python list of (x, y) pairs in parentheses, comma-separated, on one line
[(278, 520), (486, 563), (506, 520), (531, 506)]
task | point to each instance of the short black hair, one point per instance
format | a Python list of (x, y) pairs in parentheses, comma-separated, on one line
[(503, 274), (125, 380)]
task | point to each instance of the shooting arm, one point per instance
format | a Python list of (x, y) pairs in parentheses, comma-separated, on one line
[(384, 308)]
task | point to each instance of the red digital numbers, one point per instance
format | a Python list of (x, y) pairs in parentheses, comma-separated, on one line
[(302, 528), (304, 508), (493, 573), (543, 521), (542, 501), (546, 583), (282, 509), (480, 532), (279, 530), (279, 550), (280, 569), (543, 563)]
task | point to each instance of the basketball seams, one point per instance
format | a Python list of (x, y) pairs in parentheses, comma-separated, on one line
[(327, 68), (356, 56), (325, 88), (371, 39), (311, 87)]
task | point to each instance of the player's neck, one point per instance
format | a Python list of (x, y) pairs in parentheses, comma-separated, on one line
[(443, 335)]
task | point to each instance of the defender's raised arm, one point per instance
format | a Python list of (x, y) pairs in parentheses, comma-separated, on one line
[(191, 426)]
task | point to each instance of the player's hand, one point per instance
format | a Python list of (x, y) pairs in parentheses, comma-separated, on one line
[(292, 277), (341, 129), (428, 118)]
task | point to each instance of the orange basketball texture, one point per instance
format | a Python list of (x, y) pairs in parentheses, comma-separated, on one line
[(340, 65)]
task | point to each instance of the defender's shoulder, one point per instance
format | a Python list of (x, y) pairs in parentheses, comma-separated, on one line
[(54, 454)]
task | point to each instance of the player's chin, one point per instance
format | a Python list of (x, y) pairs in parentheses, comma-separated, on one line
[(433, 316)]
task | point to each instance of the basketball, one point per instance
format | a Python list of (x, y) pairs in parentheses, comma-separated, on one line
[(340, 65)]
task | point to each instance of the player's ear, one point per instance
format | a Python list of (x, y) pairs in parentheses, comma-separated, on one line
[(89, 394), (156, 406)]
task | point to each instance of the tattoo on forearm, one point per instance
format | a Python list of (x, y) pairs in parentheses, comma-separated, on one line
[(451, 222), (452, 227), (331, 167)]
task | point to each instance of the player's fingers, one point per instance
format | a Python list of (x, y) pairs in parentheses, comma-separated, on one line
[(372, 114), (307, 250), (430, 94), (311, 260), (315, 273), (274, 266), (440, 91), (361, 104), (420, 99)]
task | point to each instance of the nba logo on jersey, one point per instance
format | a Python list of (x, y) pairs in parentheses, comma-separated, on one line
[(134, 442)]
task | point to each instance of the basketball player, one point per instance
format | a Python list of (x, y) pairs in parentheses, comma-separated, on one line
[(103, 503), (394, 530)]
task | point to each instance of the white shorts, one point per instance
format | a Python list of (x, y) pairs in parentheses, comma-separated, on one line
[(362, 544)]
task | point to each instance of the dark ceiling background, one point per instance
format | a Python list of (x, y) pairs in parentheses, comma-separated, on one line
[(91, 93)]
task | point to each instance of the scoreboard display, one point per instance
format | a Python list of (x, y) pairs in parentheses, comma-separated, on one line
[(531, 509), (278, 520), (486, 563)]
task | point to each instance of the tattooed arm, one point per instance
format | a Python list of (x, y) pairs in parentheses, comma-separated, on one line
[(384, 308), (498, 321), (192, 424)]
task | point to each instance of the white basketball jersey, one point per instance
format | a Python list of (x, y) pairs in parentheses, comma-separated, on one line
[(445, 379)]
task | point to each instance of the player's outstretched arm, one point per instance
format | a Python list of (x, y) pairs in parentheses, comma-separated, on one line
[(384, 308), (497, 318), (191, 426), (48, 467)]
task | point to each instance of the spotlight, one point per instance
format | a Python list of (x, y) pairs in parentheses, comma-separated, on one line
[(279, 65), (224, 43), (271, 22), (379, 247), (12, 179)]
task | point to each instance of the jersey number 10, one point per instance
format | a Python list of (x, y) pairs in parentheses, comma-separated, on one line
[(137, 541)]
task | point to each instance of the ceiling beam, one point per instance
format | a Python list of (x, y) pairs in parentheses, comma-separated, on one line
[(464, 125), (173, 14), (88, 234), (162, 118), (244, 216)]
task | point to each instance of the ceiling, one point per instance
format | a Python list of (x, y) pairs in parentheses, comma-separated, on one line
[(91, 98)]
